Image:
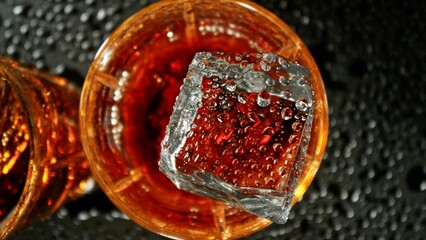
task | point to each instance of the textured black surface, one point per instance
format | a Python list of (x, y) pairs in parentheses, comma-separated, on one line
[(372, 183)]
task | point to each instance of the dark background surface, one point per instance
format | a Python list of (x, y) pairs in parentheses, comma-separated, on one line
[(372, 183)]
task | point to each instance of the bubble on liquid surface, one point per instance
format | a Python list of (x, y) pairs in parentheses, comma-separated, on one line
[(234, 120)]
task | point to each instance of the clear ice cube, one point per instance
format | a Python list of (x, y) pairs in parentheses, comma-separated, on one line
[(239, 131)]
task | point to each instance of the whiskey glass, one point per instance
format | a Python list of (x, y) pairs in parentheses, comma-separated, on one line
[(129, 93), (42, 163)]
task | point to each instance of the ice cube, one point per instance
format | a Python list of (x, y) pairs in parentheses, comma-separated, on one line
[(239, 131)]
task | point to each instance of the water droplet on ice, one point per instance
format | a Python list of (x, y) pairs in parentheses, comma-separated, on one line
[(301, 104), (265, 67), (263, 99), (297, 126), (231, 85), (283, 81), (269, 57), (287, 113), (242, 97), (301, 82), (270, 82)]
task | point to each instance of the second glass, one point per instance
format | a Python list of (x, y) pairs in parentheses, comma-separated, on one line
[(42, 164), (128, 98)]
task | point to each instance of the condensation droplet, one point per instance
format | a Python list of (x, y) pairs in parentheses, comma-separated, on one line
[(257, 183), (283, 63), (231, 85), (301, 82), (190, 134), (301, 116), (287, 113), (244, 63), (252, 117), (278, 147), (262, 148), (292, 139), (268, 131), (254, 166), (263, 99), (223, 75), (235, 161), (297, 126), (282, 171), (269, 57), (286, 93), (269, 181), (270, 82), (220, 117), (265, 67), (301, 104), (242, 97), (283, 81), (239, 150)]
